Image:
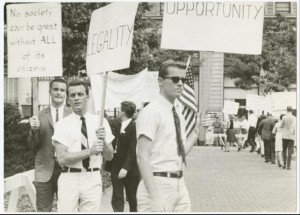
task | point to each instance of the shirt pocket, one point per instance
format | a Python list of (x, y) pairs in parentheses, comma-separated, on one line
[(75, 143)]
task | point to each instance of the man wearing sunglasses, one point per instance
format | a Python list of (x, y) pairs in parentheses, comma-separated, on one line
[(162, 146)]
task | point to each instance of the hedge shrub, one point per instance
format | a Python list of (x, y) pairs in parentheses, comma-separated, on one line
[(18, 157)]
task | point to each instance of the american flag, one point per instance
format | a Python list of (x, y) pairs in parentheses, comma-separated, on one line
[(188, 100)]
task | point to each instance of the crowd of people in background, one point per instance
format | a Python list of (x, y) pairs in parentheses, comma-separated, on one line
[(271, 137)]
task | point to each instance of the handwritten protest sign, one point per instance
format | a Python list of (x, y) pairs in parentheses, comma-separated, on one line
[(34, 40), (230, 107), (110, 37), (233, 27)]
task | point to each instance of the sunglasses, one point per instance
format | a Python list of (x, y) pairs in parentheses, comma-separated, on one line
[(177, 79)]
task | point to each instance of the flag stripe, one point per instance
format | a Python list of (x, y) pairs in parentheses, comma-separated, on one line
[(188, 101)]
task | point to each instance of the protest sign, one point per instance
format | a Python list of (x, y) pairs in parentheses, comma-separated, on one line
[(255, 102), (110, 37), (232, 27), (151, 88), (280, 100), (34, 40), (230, 107), (121, 88)]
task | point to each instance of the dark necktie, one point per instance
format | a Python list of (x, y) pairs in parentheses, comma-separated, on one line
[(180, 147), (57, 117), (84, 142)]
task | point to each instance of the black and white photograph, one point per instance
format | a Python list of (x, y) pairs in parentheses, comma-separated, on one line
[(150, 107)]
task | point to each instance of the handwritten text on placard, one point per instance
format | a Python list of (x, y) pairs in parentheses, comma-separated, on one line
[(34, 40)]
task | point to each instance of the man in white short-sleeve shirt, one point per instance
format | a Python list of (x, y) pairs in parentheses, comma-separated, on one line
[(79, 143), (162, 146)]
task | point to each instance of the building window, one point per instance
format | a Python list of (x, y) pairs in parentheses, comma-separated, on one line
[(241, 101), (283, 7), (161, 8)]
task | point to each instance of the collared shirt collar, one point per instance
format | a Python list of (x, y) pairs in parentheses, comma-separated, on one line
[(163, 101), (125, 124), (54, 109), (78, 117)]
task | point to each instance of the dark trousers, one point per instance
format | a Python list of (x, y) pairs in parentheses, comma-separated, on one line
[(287, 146), (272, 149), (267, 145), (45, 191), (131, 184), (251, 136)]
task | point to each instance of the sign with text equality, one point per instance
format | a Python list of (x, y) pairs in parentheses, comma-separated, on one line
[(110, 38), (34, 40), (230, 107), (232, 27)]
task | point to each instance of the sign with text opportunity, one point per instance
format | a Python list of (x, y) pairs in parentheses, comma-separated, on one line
[(110, 38), (232, 27), (34, 40)]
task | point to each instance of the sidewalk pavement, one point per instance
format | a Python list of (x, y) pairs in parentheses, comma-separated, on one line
[(233, 181)]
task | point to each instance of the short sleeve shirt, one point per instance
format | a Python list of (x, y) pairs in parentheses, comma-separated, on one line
[(68, 132), (156, 122)]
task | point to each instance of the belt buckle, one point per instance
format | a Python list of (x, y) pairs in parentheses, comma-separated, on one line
[(83, 170), (168, 174), (178, 174)]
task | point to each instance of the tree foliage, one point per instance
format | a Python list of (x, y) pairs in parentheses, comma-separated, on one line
[(276, 68), (145, 52)]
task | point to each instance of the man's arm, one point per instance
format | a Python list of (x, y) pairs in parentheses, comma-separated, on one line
[(144, 147), (108, 150), (33, 136), (65, 158)]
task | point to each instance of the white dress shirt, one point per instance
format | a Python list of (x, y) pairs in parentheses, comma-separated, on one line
[(252, 120), (60, 113), (156, 122), (68, 132)]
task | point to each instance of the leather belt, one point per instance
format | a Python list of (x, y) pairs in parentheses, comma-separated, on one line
[(70, 169), (178, 174)]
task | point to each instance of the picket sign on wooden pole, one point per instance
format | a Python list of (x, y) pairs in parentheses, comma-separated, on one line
[(35, 99), (20, 184), (206, 89)]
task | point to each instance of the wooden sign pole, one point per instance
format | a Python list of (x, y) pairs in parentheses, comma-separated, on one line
[(205, 90), (103, 98), (35, 99)]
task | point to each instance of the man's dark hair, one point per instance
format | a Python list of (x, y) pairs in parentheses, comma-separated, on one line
[(163, 70), (251, 111), (282, 115), (129, 108), (77, 82), (289, 109), (59, 80)]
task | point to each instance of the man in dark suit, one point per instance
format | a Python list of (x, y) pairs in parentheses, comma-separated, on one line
[(125, 171), (266, 126), (287, 137), (47, 169)]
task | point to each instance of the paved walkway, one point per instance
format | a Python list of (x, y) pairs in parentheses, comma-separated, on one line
[(219, 181)]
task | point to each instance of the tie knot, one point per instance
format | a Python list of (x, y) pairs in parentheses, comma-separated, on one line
[(82, 118)]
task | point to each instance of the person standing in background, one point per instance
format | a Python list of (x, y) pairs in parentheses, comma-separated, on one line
[(277, 131), (47, 169), (252, 120), (287, 137), (125, 172)]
